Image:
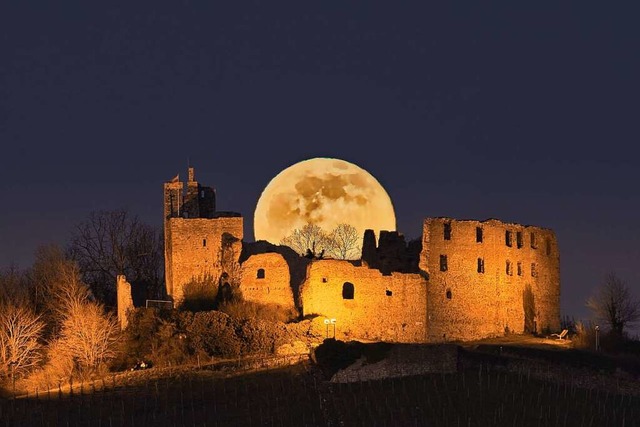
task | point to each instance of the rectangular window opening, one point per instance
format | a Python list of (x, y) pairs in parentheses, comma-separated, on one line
[(519, 239), (479, 234), (389, 293), (204, 242), (480, 265), (509, 268), (534, 245), (443, 263), (447, 231), (534, 272), (508, 238), (519, 269)]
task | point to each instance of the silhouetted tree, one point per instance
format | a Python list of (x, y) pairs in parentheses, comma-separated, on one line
[(614, 304), (308, 241), (345, 242), (110, 243), (311, 241)]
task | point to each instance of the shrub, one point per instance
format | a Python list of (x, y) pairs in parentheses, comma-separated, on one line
[(214, 334)]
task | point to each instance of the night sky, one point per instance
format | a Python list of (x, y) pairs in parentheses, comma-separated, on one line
[(528, 115)]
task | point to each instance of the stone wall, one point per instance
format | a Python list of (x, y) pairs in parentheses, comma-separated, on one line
[(266, 279), (125, 300), (383, 307), (478, 295), (194, 250)]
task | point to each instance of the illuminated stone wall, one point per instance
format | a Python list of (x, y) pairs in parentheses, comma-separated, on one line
[(266, 279), (194, 250), (125, 300), (467, 304), (383, 307)]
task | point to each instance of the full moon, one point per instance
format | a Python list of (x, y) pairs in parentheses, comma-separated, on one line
[(325, 192)]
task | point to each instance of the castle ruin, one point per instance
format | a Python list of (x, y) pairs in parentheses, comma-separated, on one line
[(464, 280)]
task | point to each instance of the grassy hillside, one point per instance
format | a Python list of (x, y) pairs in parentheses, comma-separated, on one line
[(298, 396)]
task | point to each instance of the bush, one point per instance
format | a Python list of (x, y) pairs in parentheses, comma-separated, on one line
[(214, 334), (157, 336)]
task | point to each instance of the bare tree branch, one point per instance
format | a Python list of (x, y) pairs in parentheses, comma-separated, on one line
[(614, 304)]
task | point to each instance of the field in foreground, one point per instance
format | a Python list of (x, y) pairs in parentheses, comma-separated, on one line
[(297, 396)]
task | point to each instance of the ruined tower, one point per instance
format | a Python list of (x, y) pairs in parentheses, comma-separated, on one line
[(193, 235)]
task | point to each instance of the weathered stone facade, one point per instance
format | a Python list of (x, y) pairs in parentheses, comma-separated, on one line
[(266, 279), (125, 300), (199, 241), (464, 279), (487, 278), (365, 303)]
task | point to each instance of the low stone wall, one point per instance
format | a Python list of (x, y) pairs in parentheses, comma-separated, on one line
[(403, 361)]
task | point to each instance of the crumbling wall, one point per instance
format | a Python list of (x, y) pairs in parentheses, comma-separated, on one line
[(366, 304), (194, 250), (478, 295), (266, 279), (125, 300)]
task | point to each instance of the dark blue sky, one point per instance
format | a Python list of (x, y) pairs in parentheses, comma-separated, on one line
[(528, 115)]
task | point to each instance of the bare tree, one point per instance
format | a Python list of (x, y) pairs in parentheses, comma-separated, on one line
[(20, 334), (110, 243), (614, 304), (88, 336), (309, 240), (15, 287), (345, 242)]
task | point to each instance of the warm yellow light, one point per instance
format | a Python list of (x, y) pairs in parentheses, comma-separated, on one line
[(325, 192)]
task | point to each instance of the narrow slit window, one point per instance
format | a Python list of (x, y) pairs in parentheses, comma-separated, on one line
[(447, 231), (479, 234), (534, 271), (204, 243), (519, 269), (347, 290), (534, 245), (508, 238), (480, 265), (519, 239), (443, 263), (260, 273), (448, 294)]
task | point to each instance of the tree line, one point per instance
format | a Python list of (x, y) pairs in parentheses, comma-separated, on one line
[(58, 314)]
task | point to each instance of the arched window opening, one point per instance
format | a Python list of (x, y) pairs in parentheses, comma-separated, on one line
[(347, 290), (260, 274)]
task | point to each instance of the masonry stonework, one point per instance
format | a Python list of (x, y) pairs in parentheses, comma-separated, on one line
[(487, 278), (199, 241), (463, 280), (125, 300), (365, 303), (266, 280)]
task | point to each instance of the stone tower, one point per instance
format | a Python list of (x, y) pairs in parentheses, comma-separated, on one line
[(193, 234)]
